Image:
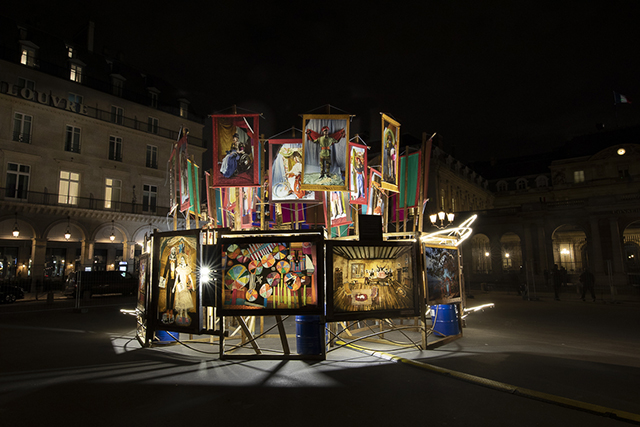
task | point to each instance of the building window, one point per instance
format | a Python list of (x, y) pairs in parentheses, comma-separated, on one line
[(69, 188), (152, 125), (117, 114), (184, 108), (152, 157), (17, 181), (72, 141), (542, 181), (26, 83), (115, 148), (153, 99), (578, 176), (502, 186), (75, 74), (149, 198), (117, 84), (22, 124), (74, 97), (71, 52), (113, 188), (521, 184), (28, 56)]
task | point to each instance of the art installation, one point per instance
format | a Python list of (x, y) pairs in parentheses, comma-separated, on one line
[(358, 173), (176, 290), (285, 173), (235, 150), (443, 275), (325, 165), (271, 276), (372, 281), (390, 153)]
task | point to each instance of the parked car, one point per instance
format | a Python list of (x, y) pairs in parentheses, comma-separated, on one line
[(10, 293), (100, 282)]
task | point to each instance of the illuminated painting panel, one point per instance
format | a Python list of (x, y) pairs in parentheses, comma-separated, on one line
[(271, 276), (176, 291), (375, 280), (443, 275)]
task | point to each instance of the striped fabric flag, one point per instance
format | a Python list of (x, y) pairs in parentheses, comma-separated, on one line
[(619, 98)]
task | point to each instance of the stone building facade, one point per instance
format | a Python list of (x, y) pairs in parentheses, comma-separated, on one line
[(84, 145)]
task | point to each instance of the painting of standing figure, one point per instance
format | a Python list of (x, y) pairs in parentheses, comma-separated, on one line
[(176, 292), (390, 153), (325, 164)]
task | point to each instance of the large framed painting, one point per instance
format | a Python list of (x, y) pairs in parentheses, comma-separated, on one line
[(443, 274), (285, 173), (372, 280), (236, 150), (176, 293), (390, 153), (325, 142), (337, 211), (358, 173), (271, 273)]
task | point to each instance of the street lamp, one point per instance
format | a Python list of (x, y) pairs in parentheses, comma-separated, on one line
[(113, 236), (441, 216), (67, 234), (16, 229)]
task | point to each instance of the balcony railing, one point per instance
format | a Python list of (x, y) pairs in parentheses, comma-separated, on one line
[(52, 199)]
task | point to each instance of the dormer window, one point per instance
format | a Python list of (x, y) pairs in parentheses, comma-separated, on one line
[(71, 53), (153, 99), (76, 70), (184, 107), (542, 181), (117, 83), (521, 184), (502, 186), (28, 51)]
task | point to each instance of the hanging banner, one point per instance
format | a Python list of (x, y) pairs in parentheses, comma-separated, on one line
[(236, 147), (325, 165), (285, 171), (390, 153), (358, 174)]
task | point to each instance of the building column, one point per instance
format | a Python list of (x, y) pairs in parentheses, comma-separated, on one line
[(38, 255), (595, 247), (89, 246), (616, 252)]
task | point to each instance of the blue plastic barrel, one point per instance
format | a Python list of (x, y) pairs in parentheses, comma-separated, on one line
[(164, 337), (309, 335), (445, 319)]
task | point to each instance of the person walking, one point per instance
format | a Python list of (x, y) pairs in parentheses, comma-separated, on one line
[(588, 284)]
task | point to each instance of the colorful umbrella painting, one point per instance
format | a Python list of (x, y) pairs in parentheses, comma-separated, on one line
[(280, 252), (233, 251), (255, 267), (251, 295), (283, 267), (293, 281), (266, 291), (268, 261), (237, 277)]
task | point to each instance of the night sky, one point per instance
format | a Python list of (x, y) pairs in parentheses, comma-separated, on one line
[(492, 78)]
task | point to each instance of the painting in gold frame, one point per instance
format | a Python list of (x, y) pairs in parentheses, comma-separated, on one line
[(390, 153)]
